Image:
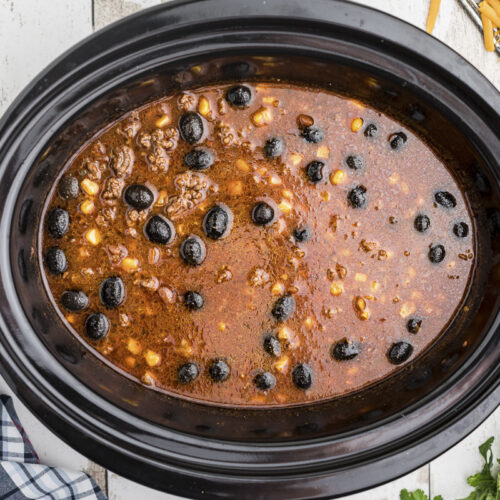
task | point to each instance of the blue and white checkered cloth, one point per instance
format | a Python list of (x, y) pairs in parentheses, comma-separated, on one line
[(21, 474)]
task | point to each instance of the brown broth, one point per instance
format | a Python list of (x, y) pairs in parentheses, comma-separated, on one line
[(361, 276)]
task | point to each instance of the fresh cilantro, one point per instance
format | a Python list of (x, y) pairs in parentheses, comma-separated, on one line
[(487, 487)]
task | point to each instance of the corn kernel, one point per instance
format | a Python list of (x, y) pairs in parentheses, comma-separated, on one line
[(356, 124), (287, 194), (274, 180), (284, 333), (336, 289), (162, 121), (281, 364), (90, 187), (162, 198), (130, 361), (323, 152), (70, 318), (203, 106), (196, 69), (261, 117), (152, 358), (133, 346), (278, 288), (148, 378), (83, 252), (130, 264), (93, 236), (222, 326), (364, 315), (325, 195), (242, 165), (87, 207), (360, 277), (235, 188), (285, 206), (295, 158), (375, 286), (337, 177), (269, 100), (309, 322), (185, 348), (406, 309), (360, 303)]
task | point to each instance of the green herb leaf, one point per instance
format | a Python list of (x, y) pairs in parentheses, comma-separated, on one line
[(413, 495)]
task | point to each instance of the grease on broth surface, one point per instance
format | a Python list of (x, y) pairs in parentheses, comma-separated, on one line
[(257, 244)]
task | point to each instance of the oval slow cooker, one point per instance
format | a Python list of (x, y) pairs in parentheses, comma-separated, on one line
[(319, 450)]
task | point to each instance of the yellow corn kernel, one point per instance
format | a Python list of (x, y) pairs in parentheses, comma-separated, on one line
[(87, 207), (152, 358), (70, 318), (287, 194), (406, 309), (295, 158), (196, 69), (309, 322), (130, 264), (278, 288), (222, 326), (325, 195), (93, 236), (133, 346), (148, 378), (323, 152), (261, 117), (242, 165), (356, 124), (162, 121), (337, 177), (185, 348), (281, 364), (203, 106), (90, 187), (274, 180), (360, 277), (269, 100), (130, 361), (360, 303), (285, 206), (336, 288), (364, 315), (162, 198), (235, 188), (375, 286), (83, 252), (284, 333)]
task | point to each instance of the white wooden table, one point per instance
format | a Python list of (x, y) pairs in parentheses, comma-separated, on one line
[(34, 32)]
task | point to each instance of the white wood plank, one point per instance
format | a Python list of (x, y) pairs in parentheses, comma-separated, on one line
[(32, 34), (120, 488), (449, 472)]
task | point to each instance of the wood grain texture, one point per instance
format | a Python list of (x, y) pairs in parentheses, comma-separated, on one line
[(34, 32)]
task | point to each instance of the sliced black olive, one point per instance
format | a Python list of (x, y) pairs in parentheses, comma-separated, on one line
[(193, 300), (355, 162), (218, 370), (371, 130), (422, 223), (187, 373), (314, 171), (68, 187), (461, 230), (274, 147), (265, 381), (262, 213), (138, 196), (445, 199), (55, 259), (74, 300), (399, 352), (96, 326), (239, 96), (437, 254), (112, 292), (357, 197), (397, 140), (191, 127), (159, 230), (302, 376), (199, 159), (58, 222), (272, 345), (217, 222), (193, 250), (312, 134), (345, 350), (283, 308), (413, 325), (302, 234)]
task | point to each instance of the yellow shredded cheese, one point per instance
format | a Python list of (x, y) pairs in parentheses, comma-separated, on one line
[(432, 15)]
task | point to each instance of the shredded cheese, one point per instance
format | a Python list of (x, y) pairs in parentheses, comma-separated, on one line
[(432, 15), (489, 43), (490, 13), (495, 4)]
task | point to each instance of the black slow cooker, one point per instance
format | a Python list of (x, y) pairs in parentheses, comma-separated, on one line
[(319, 450)]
